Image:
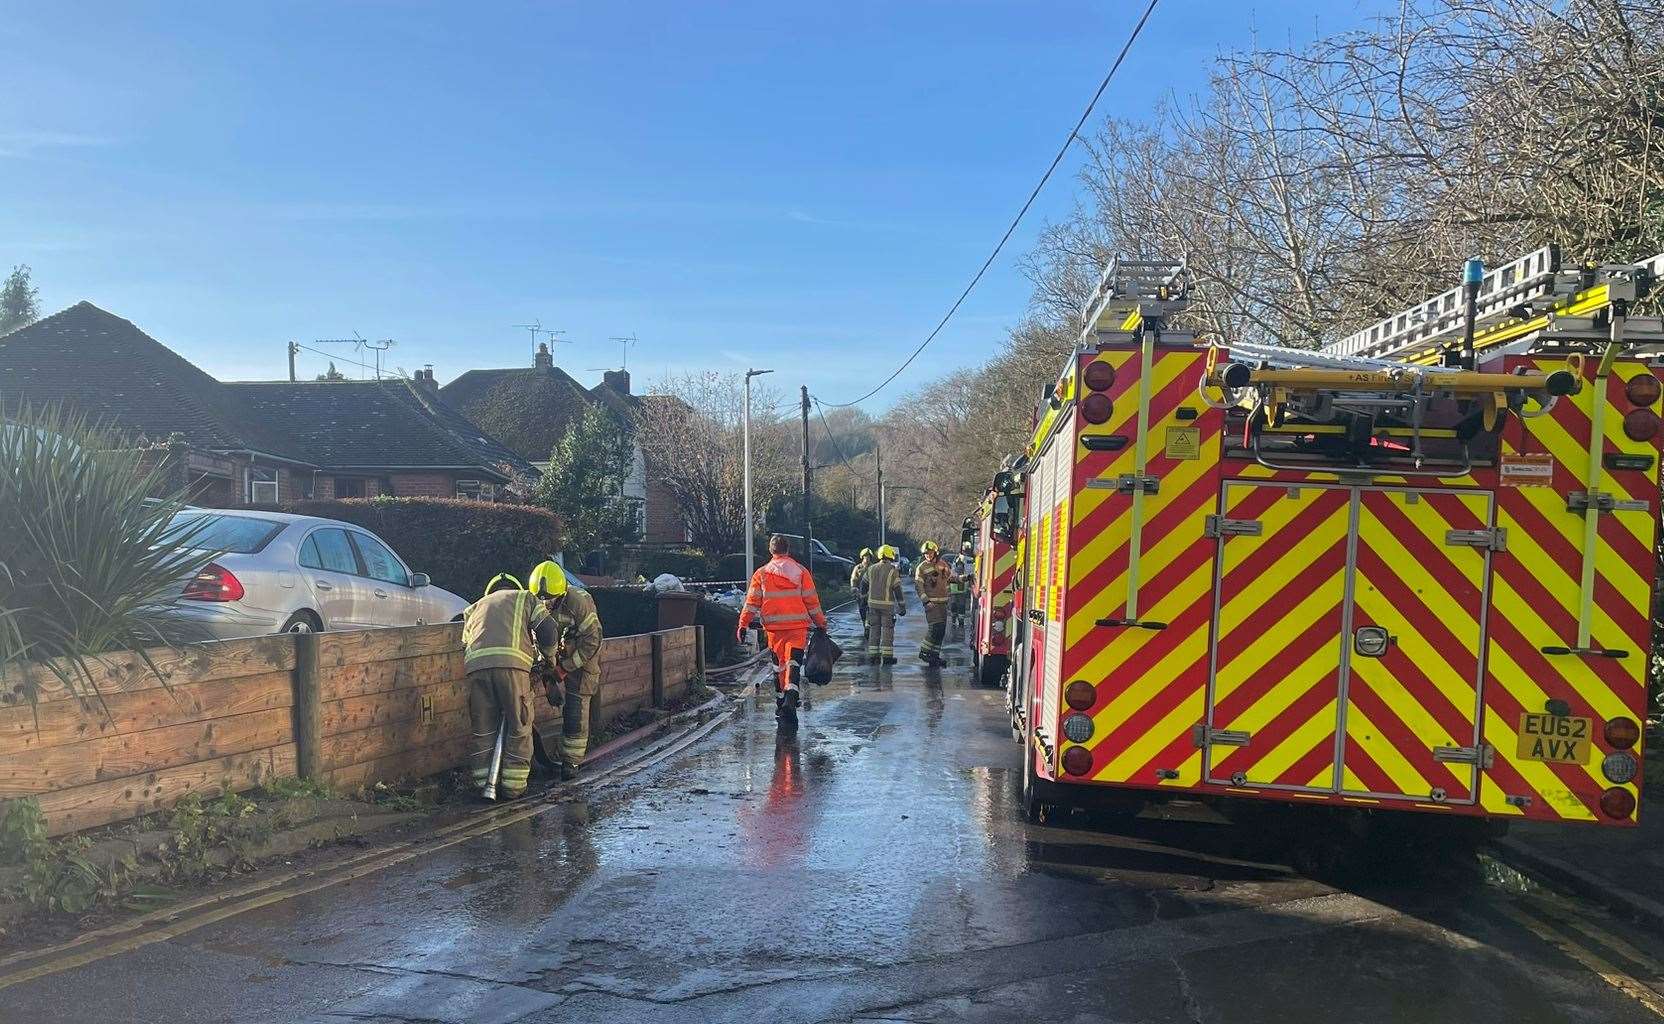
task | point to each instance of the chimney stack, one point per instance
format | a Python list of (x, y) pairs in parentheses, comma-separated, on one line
[(543, 360), (618, 380), (424, 379)]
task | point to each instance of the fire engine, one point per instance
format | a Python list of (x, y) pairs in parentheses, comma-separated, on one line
[(993, 589), (1411, 571)]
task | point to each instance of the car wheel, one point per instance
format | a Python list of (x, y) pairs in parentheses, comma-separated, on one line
[(303, 622)]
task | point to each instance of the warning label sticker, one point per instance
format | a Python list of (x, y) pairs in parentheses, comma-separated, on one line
[(1184, 442), (1527, 470)]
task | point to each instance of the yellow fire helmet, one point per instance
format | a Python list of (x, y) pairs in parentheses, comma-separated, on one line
[(887, 551), (548, 580), (866, 552), (503, 577), (929, 546)]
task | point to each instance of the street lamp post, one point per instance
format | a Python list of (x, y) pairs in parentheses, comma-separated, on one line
[(750, 546)]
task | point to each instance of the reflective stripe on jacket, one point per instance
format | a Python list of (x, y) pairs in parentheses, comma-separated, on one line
[(578, 627), (931, 578), (883, 583), (497, 630), (782, 597)]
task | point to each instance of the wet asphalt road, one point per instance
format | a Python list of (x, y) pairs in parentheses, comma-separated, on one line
[(875, 867)]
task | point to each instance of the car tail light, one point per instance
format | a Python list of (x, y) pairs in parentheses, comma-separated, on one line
[(1616, 802), (1078, 761), (1080, 695), (1640, 424), (1642, 389), (213, 582), (1097, 408), (1622, 733), (1100, 376)]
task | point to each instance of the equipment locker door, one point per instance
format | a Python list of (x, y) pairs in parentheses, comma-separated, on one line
[(1280, 602), (1412, 686)]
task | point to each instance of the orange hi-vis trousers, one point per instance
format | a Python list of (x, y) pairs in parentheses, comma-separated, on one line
[(783, 643)]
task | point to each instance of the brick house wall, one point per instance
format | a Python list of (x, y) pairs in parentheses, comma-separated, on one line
[(662, 521), (423, 485)]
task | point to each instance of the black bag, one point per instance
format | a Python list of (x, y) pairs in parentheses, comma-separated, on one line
[(821, 655)]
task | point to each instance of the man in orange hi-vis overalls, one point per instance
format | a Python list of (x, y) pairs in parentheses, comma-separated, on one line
[(783, 598)]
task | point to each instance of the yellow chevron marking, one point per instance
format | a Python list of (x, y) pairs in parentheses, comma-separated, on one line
[(1172, 726), (1363, 734), (1115, 533), (1571, 455), (1323, 600), (1158, 678), (1088, 608), (1274, 764)]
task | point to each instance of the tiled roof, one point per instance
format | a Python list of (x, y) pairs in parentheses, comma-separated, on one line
[(108, 369), (370, 424), (527, 408), (105, 367)]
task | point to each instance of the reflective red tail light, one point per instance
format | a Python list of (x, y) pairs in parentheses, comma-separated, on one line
[(1622, 733), (1098, 376), (1080, 695), (1617, 802), (1078, 761), (1640, 424), (1096, 408), (1642, 389), (213, 583)]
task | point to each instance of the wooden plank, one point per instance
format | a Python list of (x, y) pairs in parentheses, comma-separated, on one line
[(68, 721), (351, 748), (357, 647), (308, 707), (340, 682), (409, 764), (656, 680), (357, 713), (126, 671), (120, 757), (70, 810)]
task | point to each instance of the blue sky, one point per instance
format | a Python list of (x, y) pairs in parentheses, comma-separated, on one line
[(789, 185)]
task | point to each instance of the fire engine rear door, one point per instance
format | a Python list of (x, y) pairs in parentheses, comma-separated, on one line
[(1412, 683), (1278, 624)]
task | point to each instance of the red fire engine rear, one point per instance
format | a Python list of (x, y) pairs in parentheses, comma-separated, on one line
[(993, 589), (1337, 579)]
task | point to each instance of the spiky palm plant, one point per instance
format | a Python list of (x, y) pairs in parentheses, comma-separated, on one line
[(87, 554)]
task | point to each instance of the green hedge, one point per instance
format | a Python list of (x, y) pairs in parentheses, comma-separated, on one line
[(461, 544), (626, 611)]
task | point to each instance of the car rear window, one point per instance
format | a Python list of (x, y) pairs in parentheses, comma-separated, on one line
[(236, 535)]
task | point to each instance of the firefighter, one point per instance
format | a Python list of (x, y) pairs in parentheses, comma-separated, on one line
[(884, 602), (931, 579), (502, 632), (959, 586), (782, 597), (579, 629), (857, 583)]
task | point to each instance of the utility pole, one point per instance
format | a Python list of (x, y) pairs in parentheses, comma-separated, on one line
[(808, 537), (750, 527), (878, 453), (294, 348)]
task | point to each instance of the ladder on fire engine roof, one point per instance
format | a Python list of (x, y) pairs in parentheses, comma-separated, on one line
[(1133, 291), (1534, 303)]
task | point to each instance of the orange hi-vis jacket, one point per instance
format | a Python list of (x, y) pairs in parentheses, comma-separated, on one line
[(783, 598)]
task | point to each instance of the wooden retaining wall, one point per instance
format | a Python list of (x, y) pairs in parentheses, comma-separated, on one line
[(352, 708)]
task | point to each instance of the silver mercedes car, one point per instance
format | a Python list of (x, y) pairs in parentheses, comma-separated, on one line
[(278, 573)]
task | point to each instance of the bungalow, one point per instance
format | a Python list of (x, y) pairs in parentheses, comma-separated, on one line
[(265, 442)]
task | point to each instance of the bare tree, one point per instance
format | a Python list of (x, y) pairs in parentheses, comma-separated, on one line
[(690, 434)]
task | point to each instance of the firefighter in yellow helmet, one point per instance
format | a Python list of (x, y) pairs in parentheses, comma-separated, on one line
[(579, 628), (857, 583), (931, 578), (501, 633), (884, 602)]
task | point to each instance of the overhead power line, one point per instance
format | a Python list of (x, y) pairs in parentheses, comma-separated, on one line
[(1032, 196), (831, 436)]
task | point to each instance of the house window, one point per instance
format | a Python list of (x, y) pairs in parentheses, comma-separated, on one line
[(477, 490), (349, 487), (262, 486)]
